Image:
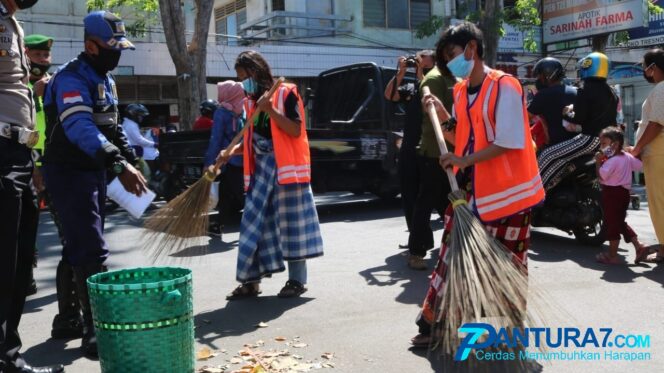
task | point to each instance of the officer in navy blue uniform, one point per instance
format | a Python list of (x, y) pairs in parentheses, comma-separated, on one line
[(17, 210), (83, 141)]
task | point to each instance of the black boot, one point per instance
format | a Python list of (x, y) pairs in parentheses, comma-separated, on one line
[(32, 288), (68, 323), (81, 274)]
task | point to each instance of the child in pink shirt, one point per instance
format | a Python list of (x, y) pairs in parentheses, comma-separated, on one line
[(615, 167)]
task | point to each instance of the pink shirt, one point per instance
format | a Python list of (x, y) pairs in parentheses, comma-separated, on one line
[(617, 170)]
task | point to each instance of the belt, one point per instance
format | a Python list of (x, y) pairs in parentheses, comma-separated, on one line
[(20, 134)]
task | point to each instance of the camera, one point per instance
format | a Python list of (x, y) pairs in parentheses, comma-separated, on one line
[(406, 91), (411, 61)]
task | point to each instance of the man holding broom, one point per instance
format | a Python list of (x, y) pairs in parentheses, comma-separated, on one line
[(494, 160), (83, 140)]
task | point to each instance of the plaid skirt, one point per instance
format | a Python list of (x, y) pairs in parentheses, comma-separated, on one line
[(279, 223), (513, 232)]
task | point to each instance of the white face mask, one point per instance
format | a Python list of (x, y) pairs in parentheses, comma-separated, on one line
[(608, 151)]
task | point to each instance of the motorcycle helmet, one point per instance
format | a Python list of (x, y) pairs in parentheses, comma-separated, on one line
[(594, 65), (550, 69), (136, 112), (208, 107)]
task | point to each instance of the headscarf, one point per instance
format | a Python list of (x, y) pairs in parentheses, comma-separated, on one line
[(230, 96)]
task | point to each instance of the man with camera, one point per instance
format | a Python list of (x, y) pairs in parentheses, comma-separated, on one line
[(433, 186), (407, 94)]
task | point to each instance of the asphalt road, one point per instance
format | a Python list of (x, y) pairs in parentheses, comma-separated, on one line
[(362, 299)]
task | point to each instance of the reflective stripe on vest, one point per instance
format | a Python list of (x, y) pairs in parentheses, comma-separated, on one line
[(507, 184)]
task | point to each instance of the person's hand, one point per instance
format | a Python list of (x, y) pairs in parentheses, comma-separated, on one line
[(402, 67), (430, 99), (40, 86), (636, 151), (133, 181), (37, 179), (264, 103), (570, 127), (568, 109), (449, 160), (223, 157), (600, 157)]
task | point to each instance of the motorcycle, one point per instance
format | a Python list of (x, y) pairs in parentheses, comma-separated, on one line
[(574, 206)]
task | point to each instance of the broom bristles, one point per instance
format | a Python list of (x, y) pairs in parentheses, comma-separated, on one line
[(171, 228), (483, 282)]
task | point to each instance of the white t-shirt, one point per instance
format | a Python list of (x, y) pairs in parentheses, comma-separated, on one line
[(510, 132), (652, 111), (134, 137)]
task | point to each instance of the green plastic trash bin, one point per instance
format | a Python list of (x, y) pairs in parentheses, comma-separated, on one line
[(144, 320)]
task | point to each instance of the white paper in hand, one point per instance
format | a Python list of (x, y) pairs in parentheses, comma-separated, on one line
[(134, 205)]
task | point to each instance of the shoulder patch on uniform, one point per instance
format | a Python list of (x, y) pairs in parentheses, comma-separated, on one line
[(71, 97)]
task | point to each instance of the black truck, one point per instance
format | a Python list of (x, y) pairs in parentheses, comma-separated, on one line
[(354, 135)]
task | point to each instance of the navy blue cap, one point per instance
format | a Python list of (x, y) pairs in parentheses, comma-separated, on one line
[(107, 27)]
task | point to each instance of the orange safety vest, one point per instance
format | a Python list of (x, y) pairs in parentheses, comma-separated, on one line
[(509, 183), (291, 153)]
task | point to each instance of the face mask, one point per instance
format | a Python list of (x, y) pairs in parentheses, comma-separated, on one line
[(25, 4), (106, 60), (426, 70), (460, 67), (38, 69), (539, 85), (250, 86), (650, 79), (608, 152)]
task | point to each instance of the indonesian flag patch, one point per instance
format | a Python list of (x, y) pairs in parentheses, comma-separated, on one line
[(72, 97)]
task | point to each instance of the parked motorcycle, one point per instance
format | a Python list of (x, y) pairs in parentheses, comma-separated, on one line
[(574, 205)]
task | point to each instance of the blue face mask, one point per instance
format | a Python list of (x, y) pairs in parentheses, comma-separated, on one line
[(460, 67), (250, 86)]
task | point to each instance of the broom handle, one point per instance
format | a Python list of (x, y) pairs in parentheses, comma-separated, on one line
[(433, 116), (248, 123)]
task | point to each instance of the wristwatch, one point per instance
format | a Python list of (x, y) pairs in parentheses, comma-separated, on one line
[(119, 167)]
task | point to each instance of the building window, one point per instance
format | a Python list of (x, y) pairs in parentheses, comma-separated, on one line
[(397, 14), (228, 19), (278, 5)]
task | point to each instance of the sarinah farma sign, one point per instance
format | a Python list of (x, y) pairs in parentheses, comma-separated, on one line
[(578, 19)]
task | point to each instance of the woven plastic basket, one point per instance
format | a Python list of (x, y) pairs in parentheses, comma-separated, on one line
[(144, 320)]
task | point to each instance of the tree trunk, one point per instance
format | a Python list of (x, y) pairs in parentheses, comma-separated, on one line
[(189, 61), (599, 43), (490, 28)]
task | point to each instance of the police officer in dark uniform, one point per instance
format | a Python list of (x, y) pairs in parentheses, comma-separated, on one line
[(17, 209), (83, 140)]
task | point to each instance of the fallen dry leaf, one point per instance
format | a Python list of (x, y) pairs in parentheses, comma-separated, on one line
[(236, 360), (299, 345), (204, 354), (262, 324), (211, 370), (283, 364), (327, 355), (244, 353), (280, 339), (328, 365)]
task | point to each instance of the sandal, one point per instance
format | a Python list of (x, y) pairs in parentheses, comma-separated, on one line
[(292, 289), (641, 254), (654, 258), (244, 291), (420, 341), (604, 258)]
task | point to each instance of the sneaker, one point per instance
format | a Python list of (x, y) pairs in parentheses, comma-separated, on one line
[(417, 263)]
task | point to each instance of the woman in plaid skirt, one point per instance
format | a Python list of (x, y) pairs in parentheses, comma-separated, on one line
[(279, 222)]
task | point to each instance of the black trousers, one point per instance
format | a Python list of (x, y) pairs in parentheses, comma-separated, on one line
[(432, 194), (409, 179), (17, 215), (231, 194)]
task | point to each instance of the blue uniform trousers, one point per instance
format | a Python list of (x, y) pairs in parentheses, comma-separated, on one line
[(79, 198)]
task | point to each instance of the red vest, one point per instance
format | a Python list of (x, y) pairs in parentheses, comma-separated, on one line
[(291, 153), (509, 183)]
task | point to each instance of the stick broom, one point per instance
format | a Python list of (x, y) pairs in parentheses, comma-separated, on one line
[(186, 216), (483, 283)]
